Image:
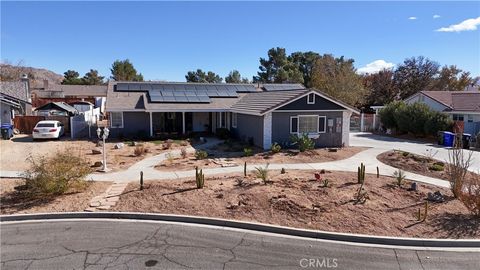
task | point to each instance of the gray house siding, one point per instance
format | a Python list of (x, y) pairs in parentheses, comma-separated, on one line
[(135, 124), (331, 138), (320, 104), (249, 126)]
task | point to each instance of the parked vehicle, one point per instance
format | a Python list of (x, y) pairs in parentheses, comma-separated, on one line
[(48, 130)]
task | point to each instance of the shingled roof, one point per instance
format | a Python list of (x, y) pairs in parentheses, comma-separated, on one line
[(456, 100), (15, 90), (259, 103)]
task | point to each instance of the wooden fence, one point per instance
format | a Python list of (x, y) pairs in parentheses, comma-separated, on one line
[(26, 123)]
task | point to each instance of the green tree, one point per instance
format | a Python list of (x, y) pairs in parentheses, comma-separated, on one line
[(452, 78), (92, 78), (380, 87), (235, 77), (305, 62), (201, 77), (414, 75), (123, 70), (337, 77), (278, 68), (71, 77)]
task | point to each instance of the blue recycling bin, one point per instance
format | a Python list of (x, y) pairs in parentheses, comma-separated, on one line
[(448, 139), (7, 131)]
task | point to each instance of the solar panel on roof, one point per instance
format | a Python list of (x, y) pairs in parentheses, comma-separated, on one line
[(189, 93), (201, 93), (193, 99), (181, 99), (157, 87), (156, 98), (178, 93), (203, 98), (145, 86), (167, 93), (223, 93), (169, 98), (232, 94), (190, 87), (122, 87), (212, 93), (200, 87), (179, 87), (154, 93), (222, 87)]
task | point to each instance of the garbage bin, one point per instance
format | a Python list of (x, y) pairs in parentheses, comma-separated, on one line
[(440, 137), (448, 139), (7, 131), (466, 140)]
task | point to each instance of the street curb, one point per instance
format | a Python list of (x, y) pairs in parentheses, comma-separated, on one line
[(343, 237)]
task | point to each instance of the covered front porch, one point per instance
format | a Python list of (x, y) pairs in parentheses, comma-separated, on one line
[(167, 124)]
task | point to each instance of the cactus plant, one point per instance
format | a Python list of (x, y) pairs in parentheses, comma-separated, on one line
[(141, 180), (378, 172), (425, 213), (283, 171), (245, 169), (361, 174), (199, 178)]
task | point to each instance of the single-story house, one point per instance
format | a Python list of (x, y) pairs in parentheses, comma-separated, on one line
[(462, 106), (261, 114), (14, 100), (56, 109), (46, 93)]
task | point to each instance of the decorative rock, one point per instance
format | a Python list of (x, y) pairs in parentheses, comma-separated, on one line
[(98, 164), (96, 151), (435, 197), (99, 143), (413, 187), (119, 145), (94, 204)]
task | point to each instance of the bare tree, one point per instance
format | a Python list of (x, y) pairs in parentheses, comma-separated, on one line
[(457, 169)]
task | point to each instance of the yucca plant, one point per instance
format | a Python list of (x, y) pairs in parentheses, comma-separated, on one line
[(262, 173), (399, 176)]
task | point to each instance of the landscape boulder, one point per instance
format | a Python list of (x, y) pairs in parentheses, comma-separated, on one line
[(119, 145), (98, 164), (99, 143), (435, 197)]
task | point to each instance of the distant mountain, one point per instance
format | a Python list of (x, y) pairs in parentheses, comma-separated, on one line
[(36, 75)]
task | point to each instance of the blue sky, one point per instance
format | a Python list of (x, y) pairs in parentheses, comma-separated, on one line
[(164, 40)]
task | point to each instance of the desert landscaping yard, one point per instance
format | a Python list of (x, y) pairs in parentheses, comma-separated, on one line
[(22, 147), (298, 199)]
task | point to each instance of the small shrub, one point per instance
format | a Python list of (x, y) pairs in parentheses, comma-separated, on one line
[(184, 143), (322, 171), (470, 196), (240, 181), (303, 142), (201, 154), (459, 162), (405, 154), (170, 158), (399, 177), (183, 152), (56, 175), (276, 148), (247, 152), (283, 171), (325, 183), (262, 173), (139, 150), (436, 167)]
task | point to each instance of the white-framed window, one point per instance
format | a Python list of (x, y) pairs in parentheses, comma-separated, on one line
[(311, 98), (458, 117), (234, 120), (116, 119), (309, 124)]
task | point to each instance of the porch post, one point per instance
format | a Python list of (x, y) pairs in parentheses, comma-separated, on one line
[(151, 125), (183, 122)]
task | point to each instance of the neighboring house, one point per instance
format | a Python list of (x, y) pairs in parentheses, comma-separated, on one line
[(14, 100), (95, 94), (462, 106), (262, 114), (56, 109)]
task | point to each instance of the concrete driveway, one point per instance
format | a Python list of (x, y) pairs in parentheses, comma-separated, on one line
[(112, 244), (419, 148)]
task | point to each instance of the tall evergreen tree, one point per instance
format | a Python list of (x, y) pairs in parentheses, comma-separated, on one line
[(414, 75), (201, 77), (71, 77), (123, 70), (92, 78)]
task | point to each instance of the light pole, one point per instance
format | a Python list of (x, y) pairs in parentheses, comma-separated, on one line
[(103, 135)]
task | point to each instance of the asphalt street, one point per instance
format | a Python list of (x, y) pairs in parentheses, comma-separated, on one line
[(113, 244)]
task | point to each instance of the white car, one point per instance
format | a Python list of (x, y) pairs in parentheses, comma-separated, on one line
[(48, 130)]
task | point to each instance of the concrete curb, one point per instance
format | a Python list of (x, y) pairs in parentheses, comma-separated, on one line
[(342, 237)]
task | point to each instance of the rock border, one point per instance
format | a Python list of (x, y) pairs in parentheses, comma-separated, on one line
[(107, 199), (333, 236)]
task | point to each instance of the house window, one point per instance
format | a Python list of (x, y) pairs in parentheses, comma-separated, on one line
[(311, 98), (470, 118), (308, 124), (293, 124), (458, 117), (321, 124), (234, 120), (116, 119)]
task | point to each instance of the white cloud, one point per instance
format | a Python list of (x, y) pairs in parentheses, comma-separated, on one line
[(375, 67), (412, 18), (436, 16), (467, 25)]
